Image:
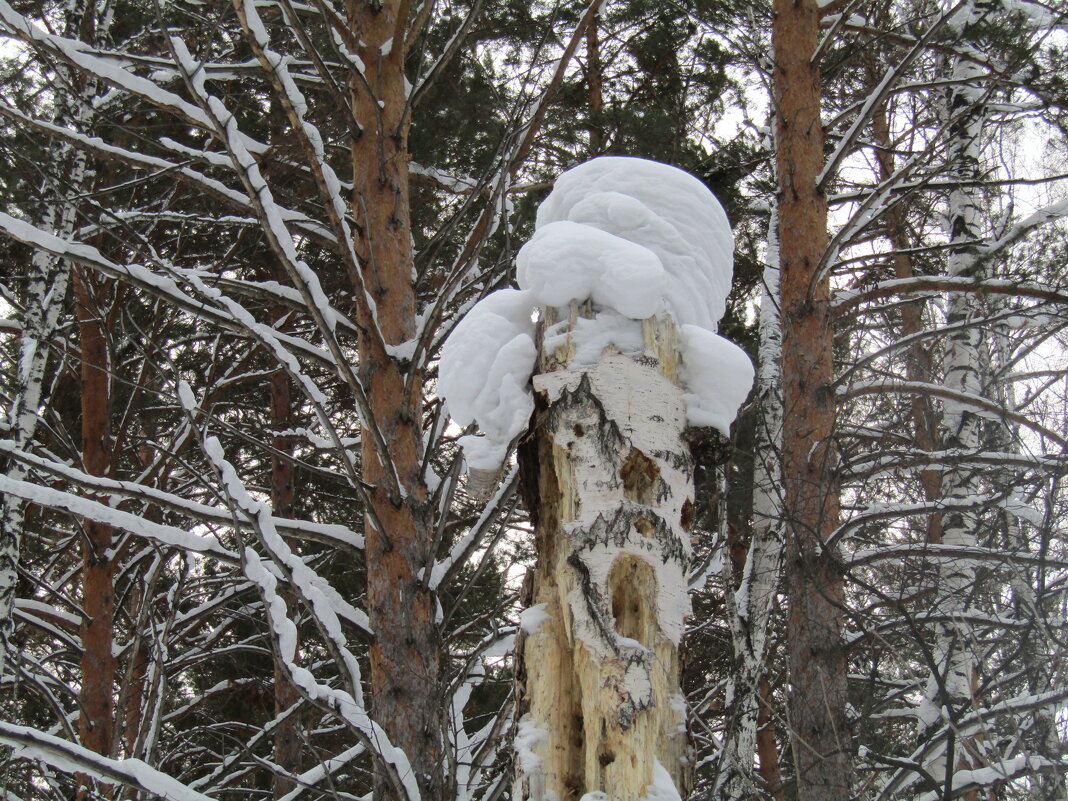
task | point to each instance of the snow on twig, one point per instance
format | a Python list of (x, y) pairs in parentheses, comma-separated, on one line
[(70, 757)]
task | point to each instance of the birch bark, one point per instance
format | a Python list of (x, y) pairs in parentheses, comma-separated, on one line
[(599, 701), (951, 686), (47, 284), (749, 604)]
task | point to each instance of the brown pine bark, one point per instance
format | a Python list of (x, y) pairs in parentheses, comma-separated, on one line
[(919, 362), (405, 661), (95, 698), (817, 698), (768, 768)]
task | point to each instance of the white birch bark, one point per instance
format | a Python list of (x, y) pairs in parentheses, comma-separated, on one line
[(601, 714), (950, 686), (749, 605), (47, 280)]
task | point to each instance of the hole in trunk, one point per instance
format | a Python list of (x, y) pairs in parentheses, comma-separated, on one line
[(632, 584), (641, 477)]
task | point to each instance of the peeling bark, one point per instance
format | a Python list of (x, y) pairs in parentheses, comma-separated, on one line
[(601, 710)]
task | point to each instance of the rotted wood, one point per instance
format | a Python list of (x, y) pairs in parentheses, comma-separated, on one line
[(599, 701)]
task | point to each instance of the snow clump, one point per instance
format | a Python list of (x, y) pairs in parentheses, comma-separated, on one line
[(638, 239), (484, 374)]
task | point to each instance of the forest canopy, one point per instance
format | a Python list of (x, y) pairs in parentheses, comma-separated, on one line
[(260, 536)]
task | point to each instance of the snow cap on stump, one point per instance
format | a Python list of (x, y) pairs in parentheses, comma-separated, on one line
[(638, 239)]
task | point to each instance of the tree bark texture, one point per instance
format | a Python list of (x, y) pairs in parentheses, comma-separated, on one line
[(599, 700), (919, 358), (405, 655), (753, 583), (817, 699), (48, 280), (951, 685), (95, 698)]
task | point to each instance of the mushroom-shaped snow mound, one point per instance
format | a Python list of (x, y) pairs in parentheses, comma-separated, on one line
[(664, 210), (565, 261)]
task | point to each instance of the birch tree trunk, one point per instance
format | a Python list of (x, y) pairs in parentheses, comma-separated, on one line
[(48, 280), (951, 686), (819, 728), (405, 654), (749, 603), (600, 708)]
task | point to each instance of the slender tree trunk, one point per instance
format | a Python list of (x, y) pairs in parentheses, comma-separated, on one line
[(287, 734), (919, 357), (751, 593), (405, 655), (594, 88), (1039, 648), (46, 293), (769, 769), (817, 703), (599, 700), (952, 686), (95, 697)]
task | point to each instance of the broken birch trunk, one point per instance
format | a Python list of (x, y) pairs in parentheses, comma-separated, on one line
[(601, 710), (628, 270)]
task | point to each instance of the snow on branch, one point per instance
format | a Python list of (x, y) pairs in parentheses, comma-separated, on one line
[(636, 239), (332, 533), (924, 284), (224, 124), (135, 524), (69, 757)]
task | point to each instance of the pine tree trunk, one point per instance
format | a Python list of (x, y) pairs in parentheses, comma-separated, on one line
[(814, 586), (405, 655), (599, 700), (95, 697)]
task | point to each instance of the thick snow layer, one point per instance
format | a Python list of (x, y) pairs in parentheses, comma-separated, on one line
[(718, 376), (666, 211), (565, 261), (484, 374), (636, 238)]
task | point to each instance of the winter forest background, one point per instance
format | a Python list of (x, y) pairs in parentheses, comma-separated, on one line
[(239, 554)]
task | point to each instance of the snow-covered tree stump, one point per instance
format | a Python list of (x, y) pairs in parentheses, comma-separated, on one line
[(600, 701), (628, 275)]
